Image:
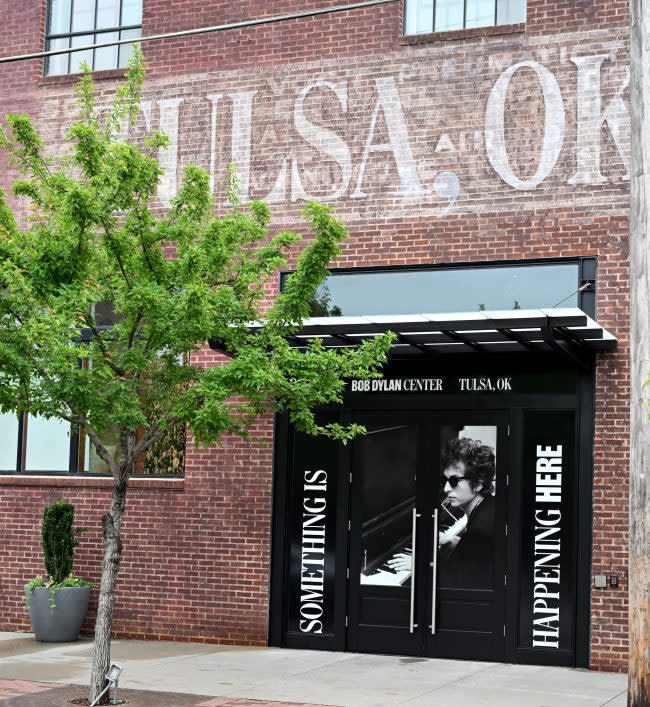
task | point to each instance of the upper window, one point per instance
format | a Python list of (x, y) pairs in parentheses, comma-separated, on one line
[(77, 23), (447, 15), (449, 289)]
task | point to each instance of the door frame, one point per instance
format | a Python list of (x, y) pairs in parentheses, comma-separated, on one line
[(583, 402), (387, 637)]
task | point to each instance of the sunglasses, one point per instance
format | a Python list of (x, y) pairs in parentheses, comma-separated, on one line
[(453, 481)]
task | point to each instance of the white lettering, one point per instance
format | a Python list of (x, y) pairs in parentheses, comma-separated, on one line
[(312, 580), (324, 140), (168, 157), (388, 101), (240, 140), (547, 548), (495, 139), (591, 119)]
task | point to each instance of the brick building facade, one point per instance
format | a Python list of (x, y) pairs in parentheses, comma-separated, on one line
[(505, 143)]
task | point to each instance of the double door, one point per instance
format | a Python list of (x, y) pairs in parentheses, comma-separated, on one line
[(427, 541)]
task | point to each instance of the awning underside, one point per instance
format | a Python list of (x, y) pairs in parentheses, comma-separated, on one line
[(569, 331)]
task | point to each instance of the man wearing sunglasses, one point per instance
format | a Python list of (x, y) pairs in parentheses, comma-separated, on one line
[(468, 482), (468, 471)]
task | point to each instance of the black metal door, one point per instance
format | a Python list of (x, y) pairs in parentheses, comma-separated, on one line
[(467, 507), (427, 534), (388, 465)]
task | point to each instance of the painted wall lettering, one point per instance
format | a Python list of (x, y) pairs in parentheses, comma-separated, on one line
[(495, 140), (592, 119), (405, 141), (388, 102)]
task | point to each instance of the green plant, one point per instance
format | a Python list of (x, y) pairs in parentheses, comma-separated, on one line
[(69, 581), (59, 540)]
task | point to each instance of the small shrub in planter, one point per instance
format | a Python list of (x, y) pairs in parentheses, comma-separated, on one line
[(58, 604)]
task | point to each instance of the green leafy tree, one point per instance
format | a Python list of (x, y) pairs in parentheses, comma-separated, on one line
[(94, 236)]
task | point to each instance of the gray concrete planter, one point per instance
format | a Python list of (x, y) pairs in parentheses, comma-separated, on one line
[(62, 623)]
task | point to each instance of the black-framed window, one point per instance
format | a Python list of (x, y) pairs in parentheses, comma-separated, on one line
[(526, 284), (34, 445), (421, 16), (76, 23)]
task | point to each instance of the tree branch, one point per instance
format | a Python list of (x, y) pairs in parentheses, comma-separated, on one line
[(102, 451), (152, 435), (134, 329), (107, 358)]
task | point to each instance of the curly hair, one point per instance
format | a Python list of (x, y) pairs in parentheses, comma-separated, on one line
[(479, 461)]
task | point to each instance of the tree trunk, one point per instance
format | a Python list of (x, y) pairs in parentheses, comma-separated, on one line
[(111, 524), (639, 557)]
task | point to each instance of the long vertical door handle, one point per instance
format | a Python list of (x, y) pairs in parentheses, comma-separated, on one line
[(414, 530), (434, 580)]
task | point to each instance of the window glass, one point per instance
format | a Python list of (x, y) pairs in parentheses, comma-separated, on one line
[(48, 444), (59, 17), (131, 12), (105, 314), (419, 16), (93, 18), (108, 14), (459, 14), (448, 290), (511, 11), (480, 13), (106, 57), (8, 441), (83, 16), (449, 15), (76, 58), (126, 49), (56, 65), (92, 461)]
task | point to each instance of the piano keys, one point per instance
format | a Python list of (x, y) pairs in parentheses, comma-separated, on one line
[(385, 575)]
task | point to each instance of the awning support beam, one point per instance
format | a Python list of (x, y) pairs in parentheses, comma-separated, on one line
[(565, 347)]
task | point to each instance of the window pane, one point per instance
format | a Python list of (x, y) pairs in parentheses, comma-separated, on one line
[(108, 13), (131, 13), (511, 11), (126, 49), (59, 17), (92, 461), (77, 57), (449, 15), (104, 311), (419, 16), (8, 441), (56, 65), (480, 13), (448, 290), (48, 445), (83, 17), (106, 58)]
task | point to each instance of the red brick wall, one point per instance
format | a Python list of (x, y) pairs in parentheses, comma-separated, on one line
[(195, 562), (200, 569)]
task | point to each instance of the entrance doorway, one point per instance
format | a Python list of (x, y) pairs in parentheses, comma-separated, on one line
[(427, 541), (458, 526)]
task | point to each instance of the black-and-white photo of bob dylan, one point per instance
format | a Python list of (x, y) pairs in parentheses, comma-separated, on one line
[(466, 481)]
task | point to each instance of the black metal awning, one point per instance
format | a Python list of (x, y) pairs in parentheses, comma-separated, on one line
[(569, 331)]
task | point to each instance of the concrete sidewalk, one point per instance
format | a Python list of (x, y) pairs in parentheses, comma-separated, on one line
[(299, 676)]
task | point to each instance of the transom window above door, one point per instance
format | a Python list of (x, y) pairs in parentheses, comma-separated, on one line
[(79, 23), (422, 16)]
